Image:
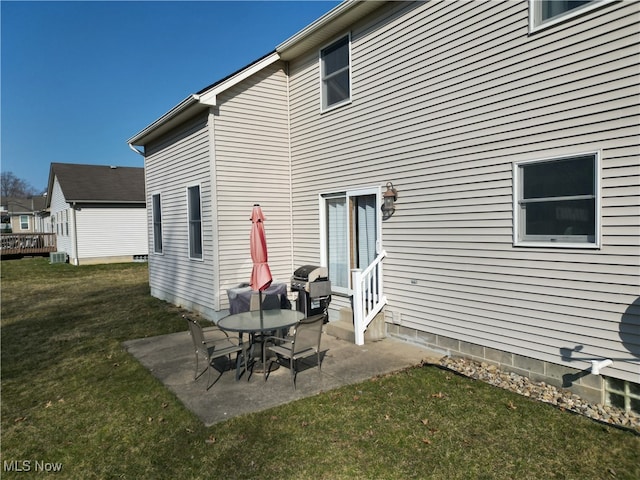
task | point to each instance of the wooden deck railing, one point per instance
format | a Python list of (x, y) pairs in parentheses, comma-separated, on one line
[(27, 243)]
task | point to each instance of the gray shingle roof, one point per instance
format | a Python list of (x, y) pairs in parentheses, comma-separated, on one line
[(99, 183), (18, 205)]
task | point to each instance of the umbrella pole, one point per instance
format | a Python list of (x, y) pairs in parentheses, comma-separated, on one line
[(260, 303)]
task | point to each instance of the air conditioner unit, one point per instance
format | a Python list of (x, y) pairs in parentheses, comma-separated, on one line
[(57, 257)]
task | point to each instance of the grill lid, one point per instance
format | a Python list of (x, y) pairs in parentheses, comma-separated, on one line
[(310, 273)]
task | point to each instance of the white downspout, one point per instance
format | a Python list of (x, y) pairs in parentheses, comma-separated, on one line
[(135, 149), (291, 245), (74, 231)]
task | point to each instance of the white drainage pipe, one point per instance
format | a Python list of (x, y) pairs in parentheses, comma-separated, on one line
[(597, 365)]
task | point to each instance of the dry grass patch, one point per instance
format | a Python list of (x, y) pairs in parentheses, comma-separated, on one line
[(71, 394)]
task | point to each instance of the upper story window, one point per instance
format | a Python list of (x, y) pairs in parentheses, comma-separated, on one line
[(156, 208), (335, 71), (24, 222), (544, 13), (195, 222), (557, 202)]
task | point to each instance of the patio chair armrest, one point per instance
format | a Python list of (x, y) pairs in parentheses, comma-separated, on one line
[(279, 340), (227, 339)]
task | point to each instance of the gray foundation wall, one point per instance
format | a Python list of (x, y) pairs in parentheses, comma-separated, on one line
[(589, 387)]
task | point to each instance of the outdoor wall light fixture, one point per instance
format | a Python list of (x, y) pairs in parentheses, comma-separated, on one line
[(388, 201)]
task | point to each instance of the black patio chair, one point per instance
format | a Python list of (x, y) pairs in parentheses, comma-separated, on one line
[(212, 349), (304, 341)]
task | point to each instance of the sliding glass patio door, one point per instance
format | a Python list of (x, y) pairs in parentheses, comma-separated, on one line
[(350, 233)]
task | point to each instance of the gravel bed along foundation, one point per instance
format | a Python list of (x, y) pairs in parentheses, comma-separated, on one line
[(543, 392)]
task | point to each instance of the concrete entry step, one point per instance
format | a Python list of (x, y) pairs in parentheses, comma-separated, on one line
[(343, 328)]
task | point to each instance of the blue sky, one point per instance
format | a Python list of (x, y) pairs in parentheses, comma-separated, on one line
[(80, 78)]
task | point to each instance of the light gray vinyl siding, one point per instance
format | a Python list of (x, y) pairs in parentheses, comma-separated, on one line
[(252, 166), (445, 97), (111, 232), (176, 161), (64, 243)]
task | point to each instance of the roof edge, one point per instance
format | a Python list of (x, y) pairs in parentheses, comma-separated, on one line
[(208, 95), (106, 202), (346, 11), (325, 27), (164, 119), (204, 98), (317, 24)]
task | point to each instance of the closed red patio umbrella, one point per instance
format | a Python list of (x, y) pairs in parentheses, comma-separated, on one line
[(261, 273)]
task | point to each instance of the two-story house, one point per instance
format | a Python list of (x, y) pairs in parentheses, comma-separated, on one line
[(504, 137)]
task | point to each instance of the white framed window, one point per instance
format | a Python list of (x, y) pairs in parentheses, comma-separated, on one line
[(195, 222), (350, 229), (556, 201), (545, 13), (335, 73), (24, 222), (156, 213)]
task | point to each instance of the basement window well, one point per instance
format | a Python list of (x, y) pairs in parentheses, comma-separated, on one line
[(623, 394)]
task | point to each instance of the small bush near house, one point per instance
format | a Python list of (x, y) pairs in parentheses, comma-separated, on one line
[(73, 400)]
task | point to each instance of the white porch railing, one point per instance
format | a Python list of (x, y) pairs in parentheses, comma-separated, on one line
[(368, 296)]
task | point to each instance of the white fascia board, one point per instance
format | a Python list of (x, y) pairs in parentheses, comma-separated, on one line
[(210, 97)]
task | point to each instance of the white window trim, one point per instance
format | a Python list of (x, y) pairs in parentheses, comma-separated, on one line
[(533, 14), (324, 247), (196, 259), (20, 222), (598, 201), (350, 99), (153, 226)]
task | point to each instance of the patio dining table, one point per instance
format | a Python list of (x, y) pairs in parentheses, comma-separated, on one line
[(257, 322)]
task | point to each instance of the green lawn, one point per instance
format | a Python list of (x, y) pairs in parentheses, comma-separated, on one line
[(72, 398)]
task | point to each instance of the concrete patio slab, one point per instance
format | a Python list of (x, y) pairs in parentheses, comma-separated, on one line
[(170, 358)]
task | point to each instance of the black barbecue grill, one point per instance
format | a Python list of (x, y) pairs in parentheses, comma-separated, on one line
[(314, 289)]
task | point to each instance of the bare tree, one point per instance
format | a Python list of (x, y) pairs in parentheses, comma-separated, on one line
[(12, 186)]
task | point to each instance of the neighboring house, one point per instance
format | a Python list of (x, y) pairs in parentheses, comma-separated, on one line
[(24, 215), (510, 131), (98, 212)]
